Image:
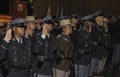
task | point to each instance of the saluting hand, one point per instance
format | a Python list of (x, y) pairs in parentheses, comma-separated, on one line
[(44, 30), (8, 35), (28, 32)]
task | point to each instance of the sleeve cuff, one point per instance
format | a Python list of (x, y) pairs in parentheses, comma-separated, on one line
[(43, 36), (4, 44)]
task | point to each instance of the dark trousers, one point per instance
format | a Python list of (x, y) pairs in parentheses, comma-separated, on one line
[(1, 74)]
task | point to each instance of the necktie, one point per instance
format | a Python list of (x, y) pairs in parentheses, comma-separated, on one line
[(46, 49), (20, 42), (47, 39)]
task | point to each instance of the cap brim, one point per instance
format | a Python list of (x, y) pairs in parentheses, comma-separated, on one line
[(1, 26), (62, 26), (22, 25), (47, 22)]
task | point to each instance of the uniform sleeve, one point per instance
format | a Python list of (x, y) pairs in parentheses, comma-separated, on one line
[(3, 49)]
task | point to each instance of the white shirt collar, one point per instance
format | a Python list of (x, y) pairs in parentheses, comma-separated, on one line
[(19, 40)]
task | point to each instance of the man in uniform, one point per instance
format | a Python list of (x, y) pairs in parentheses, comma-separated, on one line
[(30, 32), (1, 37), (115, 37), (43, 49), (98, 38), (3, 29), (15, 48), (82, 54), (74, 24)]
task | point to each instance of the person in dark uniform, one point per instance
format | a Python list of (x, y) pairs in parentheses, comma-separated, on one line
[(43, 49), (115, 42), (1, 37), (30, 32), (98, 39), (106, 52), (3, 29), (15, 48), (83, 49), (63, 49), (74, 24)]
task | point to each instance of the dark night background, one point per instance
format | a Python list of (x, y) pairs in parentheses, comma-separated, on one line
[(83, 7), (4, 6)]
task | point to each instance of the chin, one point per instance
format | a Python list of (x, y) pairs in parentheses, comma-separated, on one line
[(22, 35)]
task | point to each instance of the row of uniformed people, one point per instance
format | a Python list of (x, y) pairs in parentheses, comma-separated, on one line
[(19, 44), (97, 31), (114, 62), (53, 56), (89, 41), (41, 43), (86, 55)]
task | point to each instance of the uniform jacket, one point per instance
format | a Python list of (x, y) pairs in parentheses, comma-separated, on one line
[(83, 42), (63, 44), (98, 36), (43, 47), (18, 57), (15, 53)]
